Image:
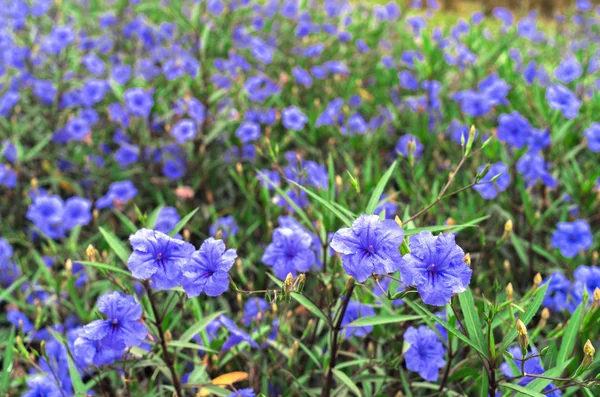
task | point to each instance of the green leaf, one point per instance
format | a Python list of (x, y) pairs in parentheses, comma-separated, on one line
[(183, 222), (131, 227), (298, 210), (104, 266), (31, 154), (7, 361), (342, 377), (198, 327), (374, 200), (192, 346), (538, 297), (12, 287), (483, 386), (521, 390), (116, 245), (326, 204), (310, 306), (382, 319), (452, 329), (443, 228), (78, 385), (472, 323), (539, 384), (570, 336)]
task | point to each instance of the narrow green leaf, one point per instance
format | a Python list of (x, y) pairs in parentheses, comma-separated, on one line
[(131, 227), (452, 329), (382, 319), (374, 199), (198, 326), (33, 152), (115, 244), (539, 384), (78, 385), (342, 377), (104, 266), (8, 361), (521, 390), (190, 345), (483, 386), (5, 293), (472, 323), (570, 336), (443, 228), (310, 306), (538, 297), (326, 204), (183, 222), (298, 210)]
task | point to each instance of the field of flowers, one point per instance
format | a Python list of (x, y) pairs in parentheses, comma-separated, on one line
[(297, 198)]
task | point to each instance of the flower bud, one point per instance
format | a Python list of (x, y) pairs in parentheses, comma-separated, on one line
[(349, 282), (300, 282), (168, 337), (467, 259), (288, 284), (69, 267), (398, 221), (588, 354), (508, 227), (509, 292), (219, 234), (537, 280), (522, 335), (544, 317), (596, 302), (293, 350), (506, 265), (91, 253), (186, 234)]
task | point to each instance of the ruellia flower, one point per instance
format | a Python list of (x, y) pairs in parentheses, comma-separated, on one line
[(122, 327), (289, 252), (572, 237), (489, 190), (354, 311), (207, 271), (370, 246), (533, 365), (158, 257), (557, 295), (425, 354), (435, 267)]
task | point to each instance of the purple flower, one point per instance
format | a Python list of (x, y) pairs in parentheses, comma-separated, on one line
[(513, 129), (236, 335), (42, 386), (77, 128), (354, 311), (226, 225), (127, 154), (370, 246), (139, 102), (435, 266), (489, 190), (568, 70), (248, 131), (572, 237), (158, 257), (46, 212), (174, 169), (415, 150), (293, 118), (533, 169), (123, 327), (587, 278), (93, 64), (561, 98), (166, 220), (184, 130), (77, 212), (533, 365), (302, 76), (19, 320), (120, 192), (243, 393), (87, 351), (592, 135), (425, 354), (207, 271), (388, 206), (289, 252), (253, 309), (557, 295)]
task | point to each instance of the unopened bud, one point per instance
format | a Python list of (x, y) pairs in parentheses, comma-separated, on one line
[(595, 257), (239, 168), (509, 292), (467, 259), (596, 297), (450, 222), (370, 350), (186, 234), (338, 182), (43, 348), (508, 227), (95, 214), (294, 349), (544, 317), (69, 267), (588, 354), (168, 337), (349, 283), (398, 221), (288, 284), (506, 265), (522, 335), (300, 282), (219, 234), (274, 308), (537, 280), (91, 253)]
